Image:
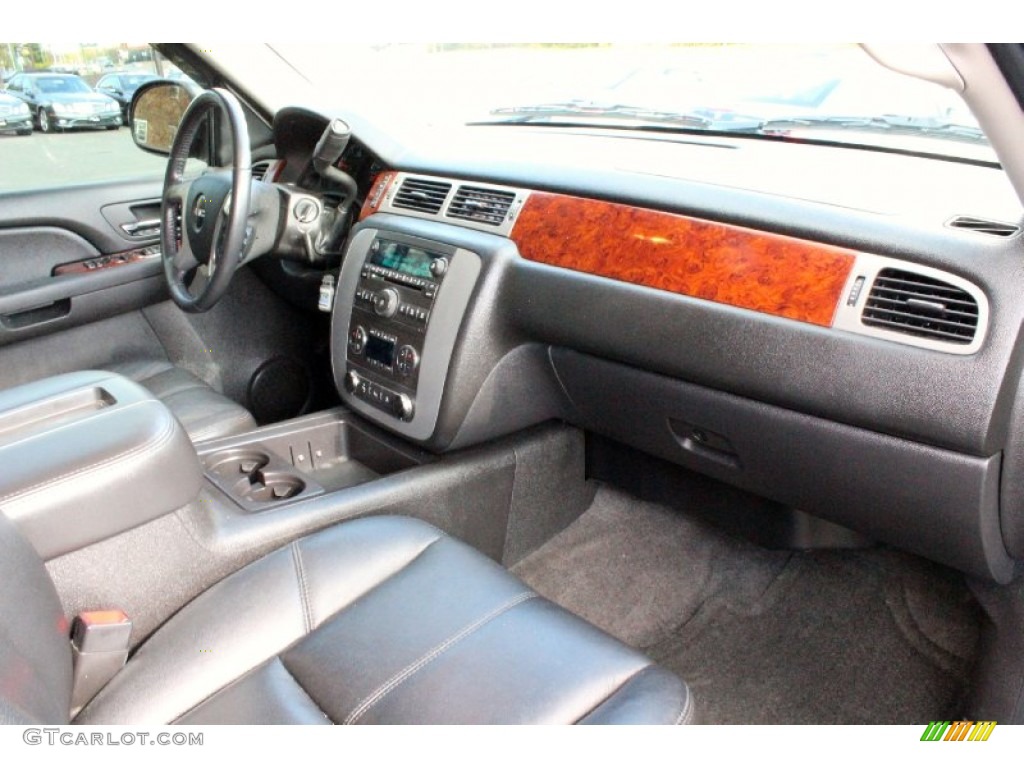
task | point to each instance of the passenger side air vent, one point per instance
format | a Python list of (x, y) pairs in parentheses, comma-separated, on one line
[(910, 303), (984, 226), (485, 205), (423, 195)]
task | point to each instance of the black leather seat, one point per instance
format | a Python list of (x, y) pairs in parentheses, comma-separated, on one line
[(204, 413), (381, 620)]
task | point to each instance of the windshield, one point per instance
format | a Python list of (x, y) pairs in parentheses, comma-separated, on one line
[(62, 85), (821, 93), (134, 81)]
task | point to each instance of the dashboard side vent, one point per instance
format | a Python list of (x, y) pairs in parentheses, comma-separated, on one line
[(423, 195), (984, 226), (485, 205), (906, 302), (259, 169)]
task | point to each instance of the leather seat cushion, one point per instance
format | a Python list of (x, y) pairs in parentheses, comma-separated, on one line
[(204, 413), (383, 620)]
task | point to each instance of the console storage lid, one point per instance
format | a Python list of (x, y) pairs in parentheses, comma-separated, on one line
[(88, 455)]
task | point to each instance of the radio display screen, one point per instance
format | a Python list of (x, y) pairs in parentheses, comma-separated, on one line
[(380, 350), (407, 259)]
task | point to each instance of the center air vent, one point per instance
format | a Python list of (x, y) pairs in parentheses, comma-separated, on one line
[(423, 195), (906, 302), (488, 206)]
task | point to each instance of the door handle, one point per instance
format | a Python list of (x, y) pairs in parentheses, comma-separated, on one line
[(142, 228)]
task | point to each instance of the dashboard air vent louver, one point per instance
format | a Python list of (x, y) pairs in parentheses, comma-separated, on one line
[(259, 170), (488, 206), (910, 303), (984, 226), (423, 195)]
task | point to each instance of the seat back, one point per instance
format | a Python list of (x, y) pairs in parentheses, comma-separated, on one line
[(35, 652)]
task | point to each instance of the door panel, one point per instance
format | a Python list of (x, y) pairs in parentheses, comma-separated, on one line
[(67, 260)]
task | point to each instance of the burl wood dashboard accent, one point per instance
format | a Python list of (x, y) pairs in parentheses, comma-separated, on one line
[(765, 272), (377, 193)]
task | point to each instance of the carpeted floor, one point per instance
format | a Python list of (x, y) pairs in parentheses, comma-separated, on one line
[(842, 636)]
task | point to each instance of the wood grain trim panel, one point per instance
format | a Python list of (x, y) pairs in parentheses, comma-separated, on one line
[(765, 272), (97, 263), (378, 191)]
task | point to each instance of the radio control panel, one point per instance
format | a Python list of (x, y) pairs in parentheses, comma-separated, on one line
[(399, 305)]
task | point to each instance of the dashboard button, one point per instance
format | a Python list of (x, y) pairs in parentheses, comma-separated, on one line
[(357, 340), (407, 360)]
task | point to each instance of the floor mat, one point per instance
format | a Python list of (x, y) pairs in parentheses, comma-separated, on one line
[(862, 636)]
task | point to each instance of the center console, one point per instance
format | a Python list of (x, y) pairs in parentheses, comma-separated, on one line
[(400, 304), (87, 456)]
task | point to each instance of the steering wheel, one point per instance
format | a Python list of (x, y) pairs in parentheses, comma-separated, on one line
[(203, 235)]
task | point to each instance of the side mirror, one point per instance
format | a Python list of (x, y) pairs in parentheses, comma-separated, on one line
[(156, 110)]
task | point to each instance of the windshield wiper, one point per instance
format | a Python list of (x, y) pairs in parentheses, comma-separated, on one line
[(905, 125), (587, 112)]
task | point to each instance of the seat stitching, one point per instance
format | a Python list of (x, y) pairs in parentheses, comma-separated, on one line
[(396, 680), (150, 445), (307, 613), (687, 711), (292, 644)]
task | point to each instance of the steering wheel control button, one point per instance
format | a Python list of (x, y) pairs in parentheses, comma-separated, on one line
[(386, 303), (357, 340), (438, 267), (407, 360)]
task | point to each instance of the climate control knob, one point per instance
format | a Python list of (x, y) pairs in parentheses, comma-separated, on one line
[(352, 381), (386, 302)]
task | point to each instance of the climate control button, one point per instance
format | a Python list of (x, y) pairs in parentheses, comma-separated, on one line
[(407, 360), (357, 340)]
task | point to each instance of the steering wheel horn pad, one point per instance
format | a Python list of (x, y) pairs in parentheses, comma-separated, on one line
[(206, 198)]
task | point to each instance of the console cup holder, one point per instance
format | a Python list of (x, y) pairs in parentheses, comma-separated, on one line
[(253, 476), (293, 461), (263, 486), (232, 464)]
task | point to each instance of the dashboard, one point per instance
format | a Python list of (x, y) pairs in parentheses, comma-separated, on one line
[(854, 363)]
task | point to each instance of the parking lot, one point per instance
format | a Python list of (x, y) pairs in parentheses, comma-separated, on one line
[(80, 156)]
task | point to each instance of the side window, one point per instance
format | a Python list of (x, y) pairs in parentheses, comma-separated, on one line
[(73, 133)]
